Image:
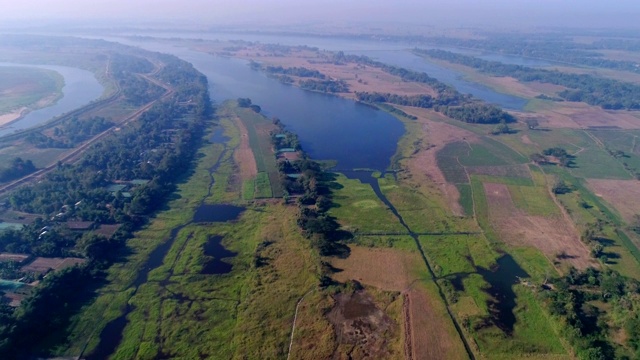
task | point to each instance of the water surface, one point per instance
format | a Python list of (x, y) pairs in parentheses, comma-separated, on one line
[(80, 88)]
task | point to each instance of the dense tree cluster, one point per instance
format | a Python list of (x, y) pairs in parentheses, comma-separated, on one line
[(471, 112), (327, 86), (312, 189), (17, 169), (573, 298), (159, 147), (295, 71), (607, 93), (553, 48)]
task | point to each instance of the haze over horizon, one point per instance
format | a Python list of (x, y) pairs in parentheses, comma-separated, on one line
[(453, 13)]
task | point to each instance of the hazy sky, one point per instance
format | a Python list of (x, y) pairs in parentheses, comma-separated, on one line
[(452, 13)]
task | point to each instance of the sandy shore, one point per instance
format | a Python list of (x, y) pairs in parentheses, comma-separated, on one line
[(8, 118)]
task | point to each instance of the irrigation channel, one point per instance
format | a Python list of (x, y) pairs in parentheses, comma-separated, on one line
[(80, 88), (329, 127)]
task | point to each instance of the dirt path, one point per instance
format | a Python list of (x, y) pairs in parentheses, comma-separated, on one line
[(243, 155), (293, 326), (408, 334)]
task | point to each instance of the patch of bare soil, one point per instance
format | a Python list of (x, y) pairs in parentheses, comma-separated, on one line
[(391, 273), (424, 318), (423, 165), (358, 77), (526, 140), (622, 194), (582, 116), (362, 329), (243, 155), (10, 117), (552, 236), (429, 339)]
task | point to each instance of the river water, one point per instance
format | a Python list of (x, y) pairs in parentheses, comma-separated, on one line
[(357, 136), (80, 88), (392, 53)]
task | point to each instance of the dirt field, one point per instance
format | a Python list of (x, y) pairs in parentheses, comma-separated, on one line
[(43, 265), (107, 230), (362, 328), (423, 165), (426, 336), (358, 77), (581, 116), (622, 194), (392, 271), (243, 155), (552, 236)]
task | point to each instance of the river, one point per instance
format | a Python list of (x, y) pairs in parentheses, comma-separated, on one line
[(80, 88), (392, 53), (357, 136)]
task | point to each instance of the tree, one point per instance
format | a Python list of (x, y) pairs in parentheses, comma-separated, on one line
[(561, 187), (532, 123)]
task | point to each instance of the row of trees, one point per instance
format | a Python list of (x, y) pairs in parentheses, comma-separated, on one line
[(471, 111), (160, 147), (607, 93), (553, 48), (312, 187)]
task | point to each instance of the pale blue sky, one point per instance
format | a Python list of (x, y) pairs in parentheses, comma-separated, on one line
[(592, 13)]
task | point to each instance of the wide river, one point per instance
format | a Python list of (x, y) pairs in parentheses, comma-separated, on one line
[(392, 53), (80, 88), (329, 127)]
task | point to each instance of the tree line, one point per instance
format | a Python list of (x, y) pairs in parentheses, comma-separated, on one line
[(606, 93), (472, 111), (160, 147)]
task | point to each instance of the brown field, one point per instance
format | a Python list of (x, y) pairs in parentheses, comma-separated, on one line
[(423, 165), (552, 236), (358, 77), (363, 330), (42, 265), (581, 116), (622, 194), (243, 155), (391, 273), (430, 334), (107, 230), (520, 171)]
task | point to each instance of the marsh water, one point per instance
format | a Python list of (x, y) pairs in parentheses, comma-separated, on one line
[(80, 88)]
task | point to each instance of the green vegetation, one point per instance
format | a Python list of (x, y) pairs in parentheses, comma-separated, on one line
[(77, 192), (609, 94), (356, 205), (26, 86), (258, 128)]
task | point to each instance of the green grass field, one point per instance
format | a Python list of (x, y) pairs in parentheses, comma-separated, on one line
[(359, 210), (25, 86), (178, 306)]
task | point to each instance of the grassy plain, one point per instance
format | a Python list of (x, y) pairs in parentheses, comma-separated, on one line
[(25, 87), (179, 305)]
